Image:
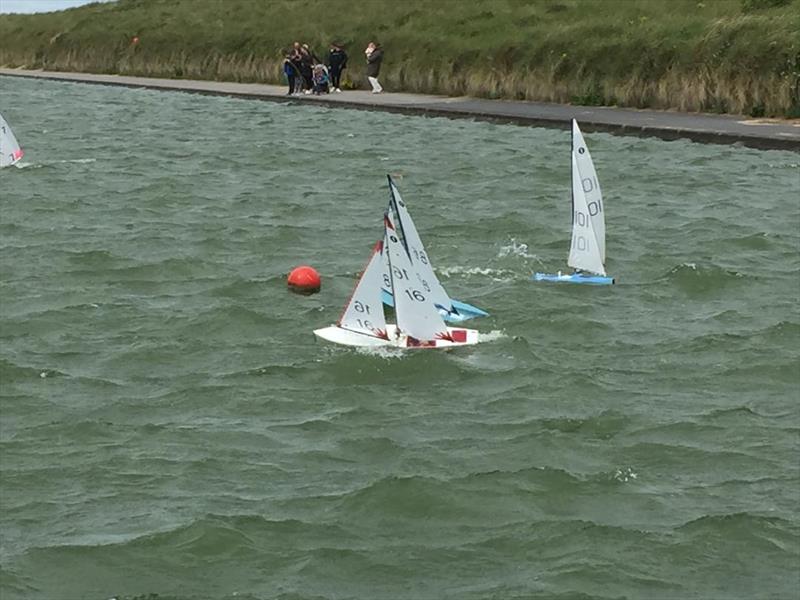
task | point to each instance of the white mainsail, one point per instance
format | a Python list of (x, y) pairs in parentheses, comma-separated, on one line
[(584, 252), (417, 317), (10, 152), (590, 186), (428, 280), (364, 312)]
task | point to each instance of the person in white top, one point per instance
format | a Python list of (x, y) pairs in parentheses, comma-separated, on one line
[(374, 54)]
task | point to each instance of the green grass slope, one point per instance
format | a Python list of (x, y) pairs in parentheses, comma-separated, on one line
[(735, 56)]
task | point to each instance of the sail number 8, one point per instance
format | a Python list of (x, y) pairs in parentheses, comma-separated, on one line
[(420, 256)]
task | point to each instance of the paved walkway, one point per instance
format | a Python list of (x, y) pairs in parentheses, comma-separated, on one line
[(720, 129)]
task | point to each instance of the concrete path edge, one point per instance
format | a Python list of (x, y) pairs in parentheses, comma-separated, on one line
[(665, 125)]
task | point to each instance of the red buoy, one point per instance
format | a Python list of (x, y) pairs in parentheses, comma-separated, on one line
[(304, 280)]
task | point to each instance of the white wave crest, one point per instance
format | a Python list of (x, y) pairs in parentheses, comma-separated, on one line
[(515, 248), (491, 336), (624, 475), (385, 352), (494, 274), (25, 165)]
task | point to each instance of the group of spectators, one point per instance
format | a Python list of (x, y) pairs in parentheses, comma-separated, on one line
[(307, 74)]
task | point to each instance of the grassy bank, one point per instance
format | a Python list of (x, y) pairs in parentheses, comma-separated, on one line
[(735, 56)]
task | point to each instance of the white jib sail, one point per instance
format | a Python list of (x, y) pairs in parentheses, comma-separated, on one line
[(427, 278), (584, 252), (417, 317), (591, 187), (10, 152), (364, 312)]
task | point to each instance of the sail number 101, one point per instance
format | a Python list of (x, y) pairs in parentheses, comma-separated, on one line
[(595, 208)]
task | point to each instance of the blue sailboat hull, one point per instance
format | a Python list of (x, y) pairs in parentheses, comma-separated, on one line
[(464, 311), (584, 278)]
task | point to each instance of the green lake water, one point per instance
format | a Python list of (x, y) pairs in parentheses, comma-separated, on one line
[(171, 429)]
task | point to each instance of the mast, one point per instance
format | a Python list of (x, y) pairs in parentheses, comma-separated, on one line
[(572, 166), (387, 228), (415, 251), (397, 219)]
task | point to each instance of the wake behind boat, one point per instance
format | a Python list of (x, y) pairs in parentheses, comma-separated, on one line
[(451, 310), (10, 152), (587, 253), (419, 324)]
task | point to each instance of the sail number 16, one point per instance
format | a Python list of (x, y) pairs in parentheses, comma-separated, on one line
[(415, 295)]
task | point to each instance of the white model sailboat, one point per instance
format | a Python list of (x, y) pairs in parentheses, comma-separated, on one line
[(451, 310), (10, 152), (587, 254), (419, 324)]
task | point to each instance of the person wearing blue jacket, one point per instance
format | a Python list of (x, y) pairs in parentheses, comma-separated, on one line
[(292, 74)]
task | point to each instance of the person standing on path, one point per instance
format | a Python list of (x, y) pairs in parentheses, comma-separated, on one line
[(296, 59), (292, 74), (306, 68), (337, 61), (374, 54)]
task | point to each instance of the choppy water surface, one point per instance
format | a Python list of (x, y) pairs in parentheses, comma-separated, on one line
[(170, 426)]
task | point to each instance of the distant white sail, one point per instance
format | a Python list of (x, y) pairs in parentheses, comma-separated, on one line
[(434, 290), (591, 187), (584, 252), (364, 312), (10, 152), (417, 317)]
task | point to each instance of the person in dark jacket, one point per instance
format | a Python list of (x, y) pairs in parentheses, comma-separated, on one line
[(295, 58), (307, 68), (374, 54), (314, 59), (292, 74), (337, 61)]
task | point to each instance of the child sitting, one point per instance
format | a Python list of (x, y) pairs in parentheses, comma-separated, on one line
[(321, 80)]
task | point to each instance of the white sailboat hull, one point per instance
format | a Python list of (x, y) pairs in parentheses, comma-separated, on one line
[(337, 335)]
